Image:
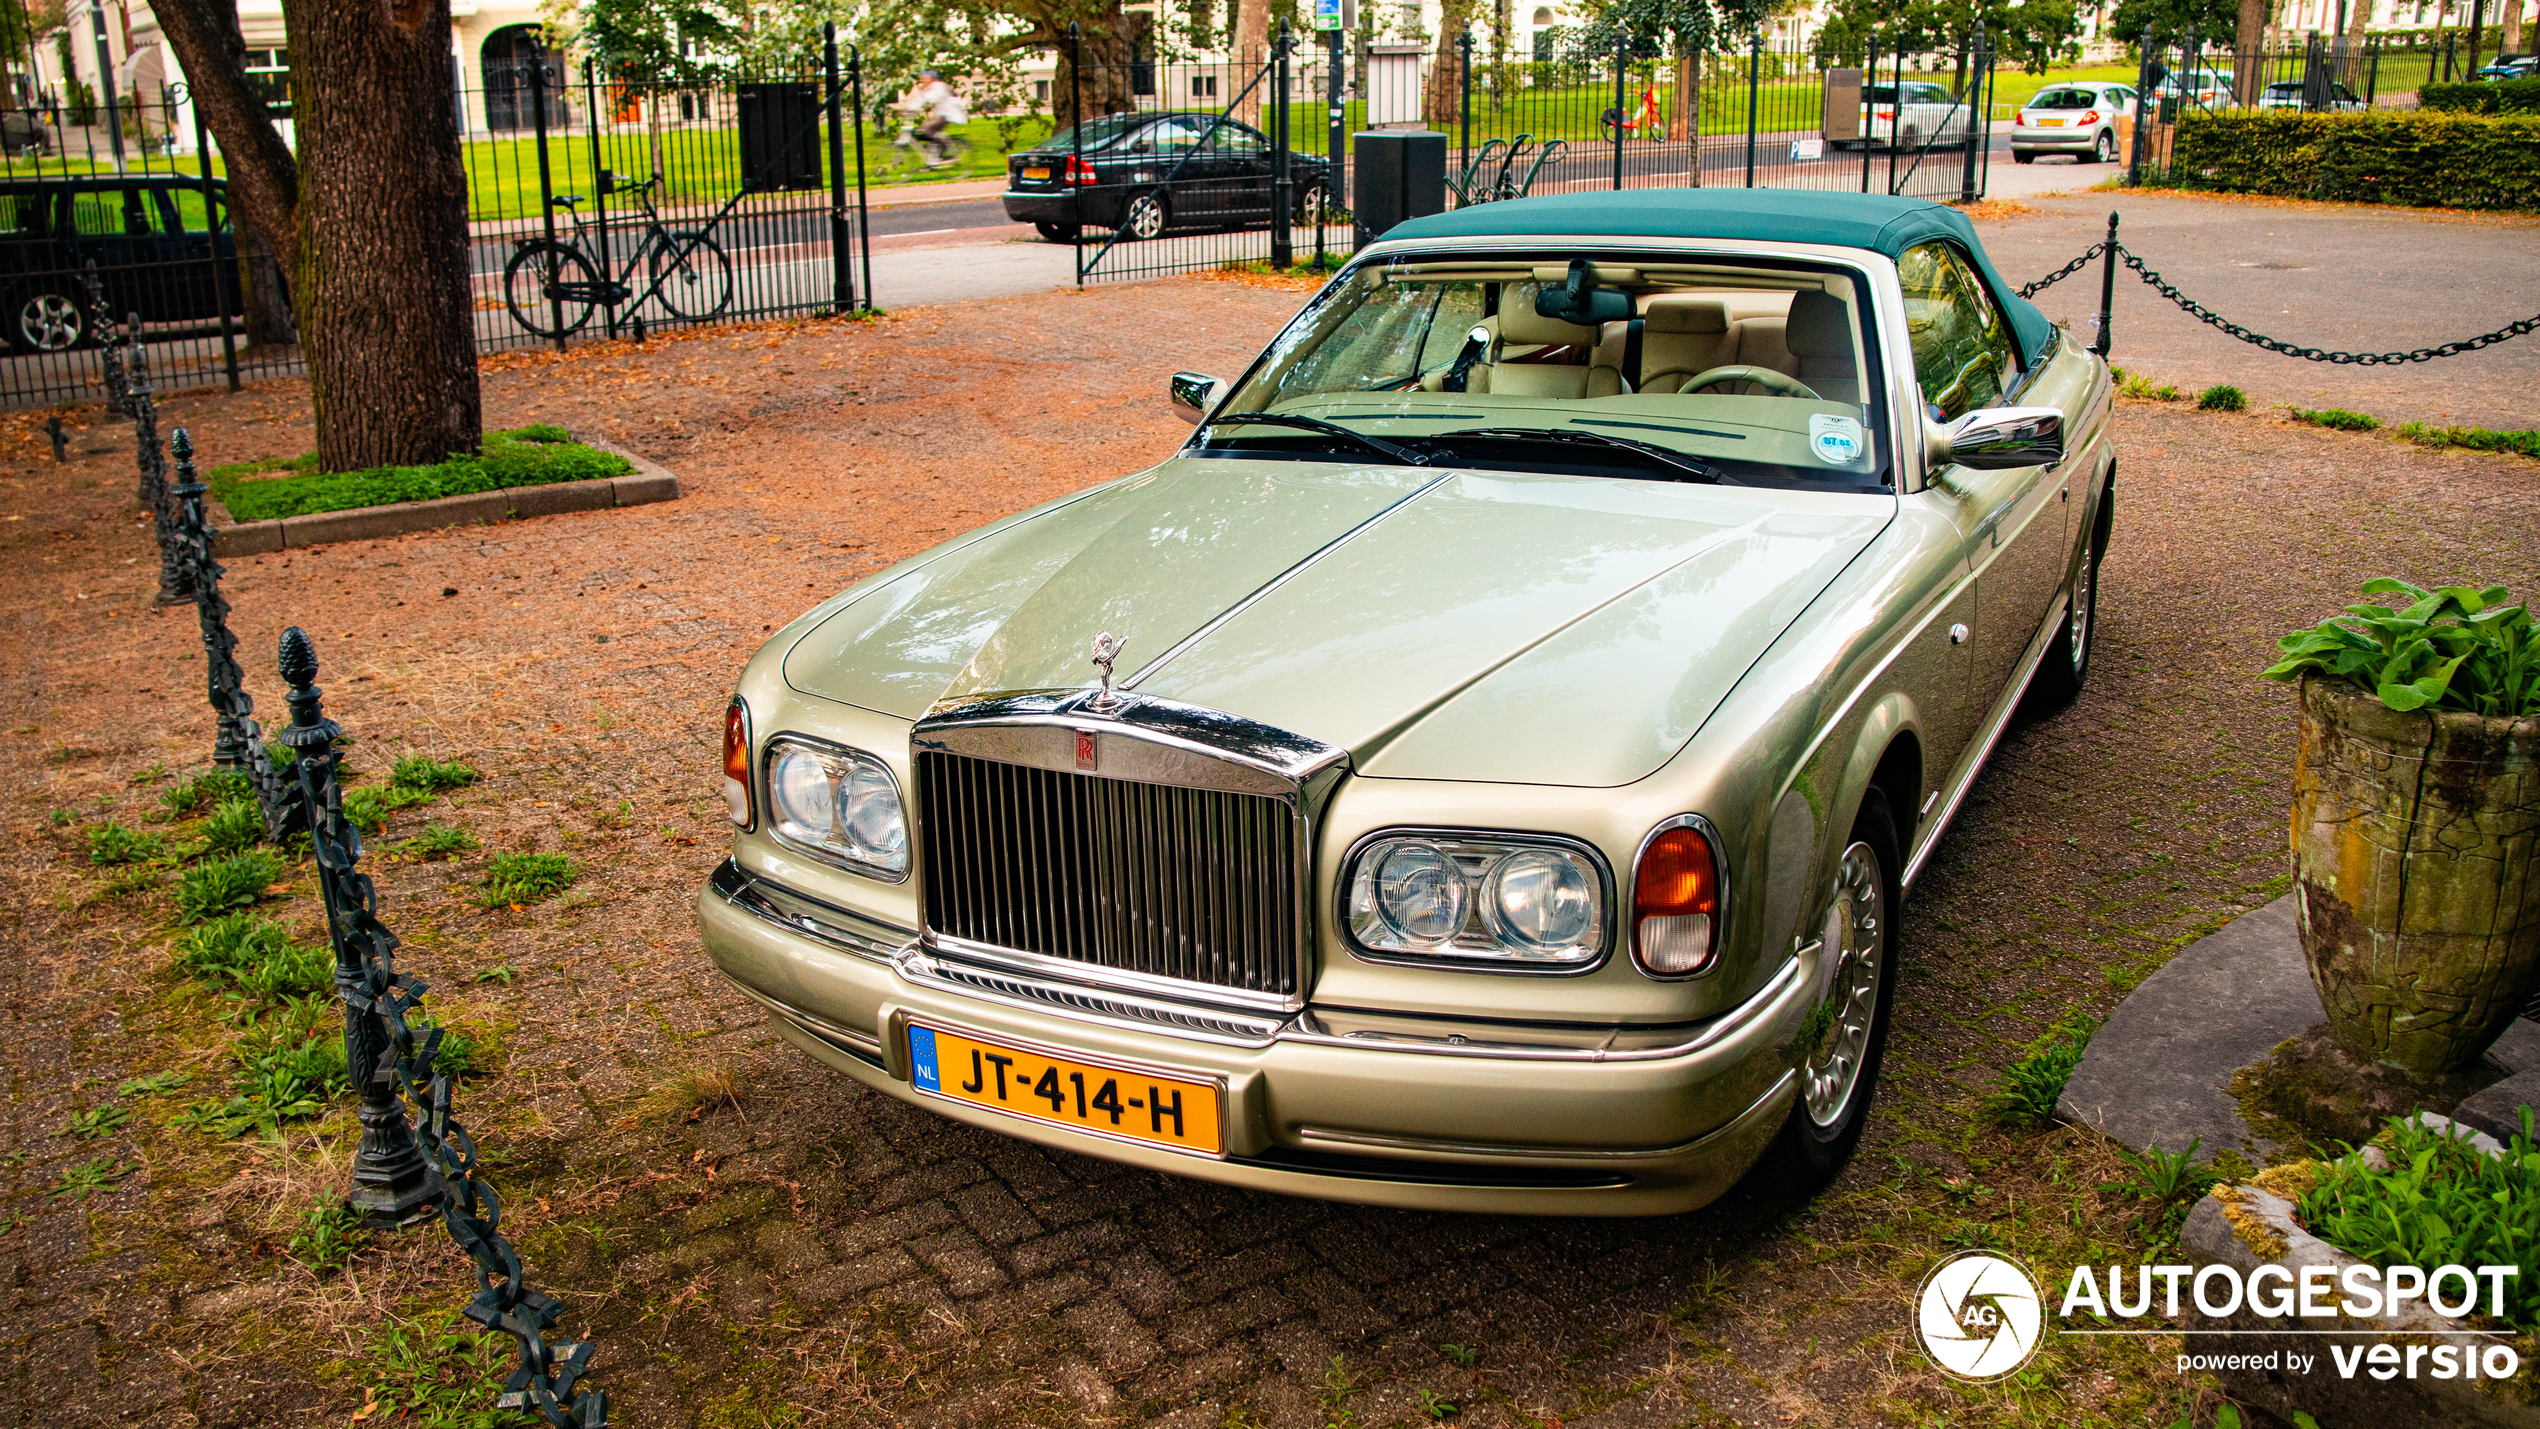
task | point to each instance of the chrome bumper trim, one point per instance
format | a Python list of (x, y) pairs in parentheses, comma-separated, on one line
[(1319, 1136), (1207, 1024), (795, 913), (845, 1039), (1719, 1029)]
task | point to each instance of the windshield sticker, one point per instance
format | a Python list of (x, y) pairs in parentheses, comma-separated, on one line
[(1835, 440)]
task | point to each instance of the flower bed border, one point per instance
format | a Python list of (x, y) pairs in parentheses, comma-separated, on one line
[(649, 483)]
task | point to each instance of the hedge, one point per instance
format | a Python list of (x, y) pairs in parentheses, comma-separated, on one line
[(528, 456), (2420, 160), (2513, 96)]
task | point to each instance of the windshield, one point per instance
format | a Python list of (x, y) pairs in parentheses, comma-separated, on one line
[(1746, 372), (2065, 99)]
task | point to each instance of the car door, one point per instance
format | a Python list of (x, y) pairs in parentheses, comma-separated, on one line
[(2016, 522), (179, 286), (112, 230), (1244, 156)]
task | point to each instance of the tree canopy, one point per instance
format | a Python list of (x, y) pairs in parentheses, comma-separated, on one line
[(2034, 32), (2214, 22)]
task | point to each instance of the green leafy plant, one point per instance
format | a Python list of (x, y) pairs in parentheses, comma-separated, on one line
[(425, 775), (111, 843), (1464, 1355), (256, 957), (2168, 1184), (2139, 386), (437, 1372), (153, 1084), (235, 825), (2222, 397), (460, 1054), (2336, 419), (288, 1067), (191, 796), (2513, 96), (86, 1179), (503, 973), (438, 841), (369, 806), (2423, 160), (516, 878), (2438, 1200), (330, 1234), (2457, 648), (522, 457), (2477, 439), (2032, 1085), (222, 885), (96, 1122), (151, 775)]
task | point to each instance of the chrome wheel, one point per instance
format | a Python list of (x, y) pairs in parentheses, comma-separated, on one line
[(48, 322), (2105, 151), (1856, 935), (1309, 208), (2084, 613), (1145, 218)]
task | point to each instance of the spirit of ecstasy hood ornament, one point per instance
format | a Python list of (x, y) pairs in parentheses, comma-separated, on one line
[(1106, 649)]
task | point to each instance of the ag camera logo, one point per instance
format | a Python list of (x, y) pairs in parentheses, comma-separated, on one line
[(1980, 1316)]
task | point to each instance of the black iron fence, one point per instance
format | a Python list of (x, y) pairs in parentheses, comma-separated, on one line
[(599, 205), (2321, 74), (1172, 167)]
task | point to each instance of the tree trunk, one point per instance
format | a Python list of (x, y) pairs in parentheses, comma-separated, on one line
[(1251, 51), (1442, 103), (263, 178), (2250, 39), (266, 298), (380, 275), (2510, 41)]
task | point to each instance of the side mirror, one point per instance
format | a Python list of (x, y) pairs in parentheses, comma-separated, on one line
[(1997, 438), (1193, 393)]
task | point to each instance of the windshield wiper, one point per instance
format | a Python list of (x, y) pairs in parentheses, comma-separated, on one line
[(1389, 450), (1693, 466)]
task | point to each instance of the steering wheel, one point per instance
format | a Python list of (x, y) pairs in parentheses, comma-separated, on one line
[(1763, 377)]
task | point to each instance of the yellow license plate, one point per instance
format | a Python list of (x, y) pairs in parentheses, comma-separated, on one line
[(2050, 123), (1036, 173), (1133, 1105)]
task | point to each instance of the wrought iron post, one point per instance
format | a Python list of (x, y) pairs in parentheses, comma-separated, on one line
[(841, 236), (1980, 67), (1463, 118), (237, 743), (546, 183), (1895, 117), (2107, 291), (101, 324), (1622, 43), (1754, 94), (1869, 86), (60, 439), (1282, 176), (2372, 73), (2144, 99), (1076, 136), (174, 579), (863, 219), (600, 184), (393, 1182)]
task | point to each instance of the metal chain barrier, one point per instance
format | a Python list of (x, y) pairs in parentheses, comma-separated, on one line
[(238, 742), (101, 326), (2210, 318), (2060, 274), (389, 1055), (175, 575)]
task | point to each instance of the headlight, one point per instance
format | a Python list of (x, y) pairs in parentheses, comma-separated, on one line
[(841, 804), (1523, 903), (1676, 899)]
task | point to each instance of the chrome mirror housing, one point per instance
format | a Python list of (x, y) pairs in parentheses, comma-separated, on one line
[(1997, 438), (1193, 394)]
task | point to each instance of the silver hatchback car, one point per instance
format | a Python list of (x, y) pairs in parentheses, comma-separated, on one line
[(2078, 119)]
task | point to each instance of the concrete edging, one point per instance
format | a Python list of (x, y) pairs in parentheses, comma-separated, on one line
[(648, 483)]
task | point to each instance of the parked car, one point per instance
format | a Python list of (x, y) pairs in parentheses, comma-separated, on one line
[(144, 233), (1480, 770), (2075, 119), (23, 133), (1144, 174), (2335, 98), (2205, 88), (2518, 67), (1930, 115)]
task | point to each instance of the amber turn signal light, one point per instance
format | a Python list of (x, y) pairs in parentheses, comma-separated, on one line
[(1676, 904), (736, 763)]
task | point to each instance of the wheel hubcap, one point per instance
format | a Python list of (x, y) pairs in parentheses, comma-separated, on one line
[(49, 321), (1856, 934), (1147, 219)]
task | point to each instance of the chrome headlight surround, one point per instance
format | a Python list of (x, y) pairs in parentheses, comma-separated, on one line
[(1485, 937), (857, 786)]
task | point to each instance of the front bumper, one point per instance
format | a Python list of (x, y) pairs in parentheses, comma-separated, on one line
[(1420, 1119)]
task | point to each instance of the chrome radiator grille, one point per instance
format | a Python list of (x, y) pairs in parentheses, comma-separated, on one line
[(1192, 884)]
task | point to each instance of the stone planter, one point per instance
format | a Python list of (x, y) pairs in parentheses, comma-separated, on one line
[(2416, 854)]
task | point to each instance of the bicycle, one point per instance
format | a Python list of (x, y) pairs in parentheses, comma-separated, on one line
[(685, 268), (948, 147)]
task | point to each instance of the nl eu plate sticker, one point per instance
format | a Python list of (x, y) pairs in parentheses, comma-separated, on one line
[(921, 1059), (1835, 440)]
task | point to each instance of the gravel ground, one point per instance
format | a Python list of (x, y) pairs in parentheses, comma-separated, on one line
[(2340, 277), (753, 1240)]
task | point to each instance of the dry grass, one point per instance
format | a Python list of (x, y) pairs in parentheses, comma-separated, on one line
[(691, 1092)]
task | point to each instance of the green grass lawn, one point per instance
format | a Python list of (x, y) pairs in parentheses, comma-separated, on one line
[(529, 456)]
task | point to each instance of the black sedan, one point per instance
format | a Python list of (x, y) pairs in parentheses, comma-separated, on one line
[(1143, 174), (145, 233)]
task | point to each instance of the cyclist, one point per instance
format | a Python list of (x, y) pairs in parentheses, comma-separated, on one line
[(942, 108)]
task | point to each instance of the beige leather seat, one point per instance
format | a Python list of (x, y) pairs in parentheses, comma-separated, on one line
[(1813, 343), (1520, 326), (1683, 335)]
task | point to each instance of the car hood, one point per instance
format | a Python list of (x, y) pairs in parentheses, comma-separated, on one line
[(1456, 624)]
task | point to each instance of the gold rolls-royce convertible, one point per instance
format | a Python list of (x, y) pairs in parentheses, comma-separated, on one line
[(1481, 769)]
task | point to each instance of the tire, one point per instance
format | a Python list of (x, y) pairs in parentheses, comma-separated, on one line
[(1147, 216), (525, 281), (1059, 232), (2104, 151), (2023, 156), (1839, 1071), (2066, 667), (48, 317), (1311, 201), (694, 276)]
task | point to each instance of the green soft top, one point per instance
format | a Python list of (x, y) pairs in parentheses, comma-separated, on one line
[(1872, 221)]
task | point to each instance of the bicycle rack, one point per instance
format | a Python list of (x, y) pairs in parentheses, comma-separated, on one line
[(1466, 195), (1545, 158)]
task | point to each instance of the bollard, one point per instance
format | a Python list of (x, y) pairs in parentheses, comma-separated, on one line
[(237, 742), (393, 1183), (2107, 318), (175, 581), (101, 326), (61, 440)]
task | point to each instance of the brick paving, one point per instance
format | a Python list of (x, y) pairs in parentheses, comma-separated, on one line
[(807, 1252)]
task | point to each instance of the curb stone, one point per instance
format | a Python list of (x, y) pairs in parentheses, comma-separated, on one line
[(650, 482)]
